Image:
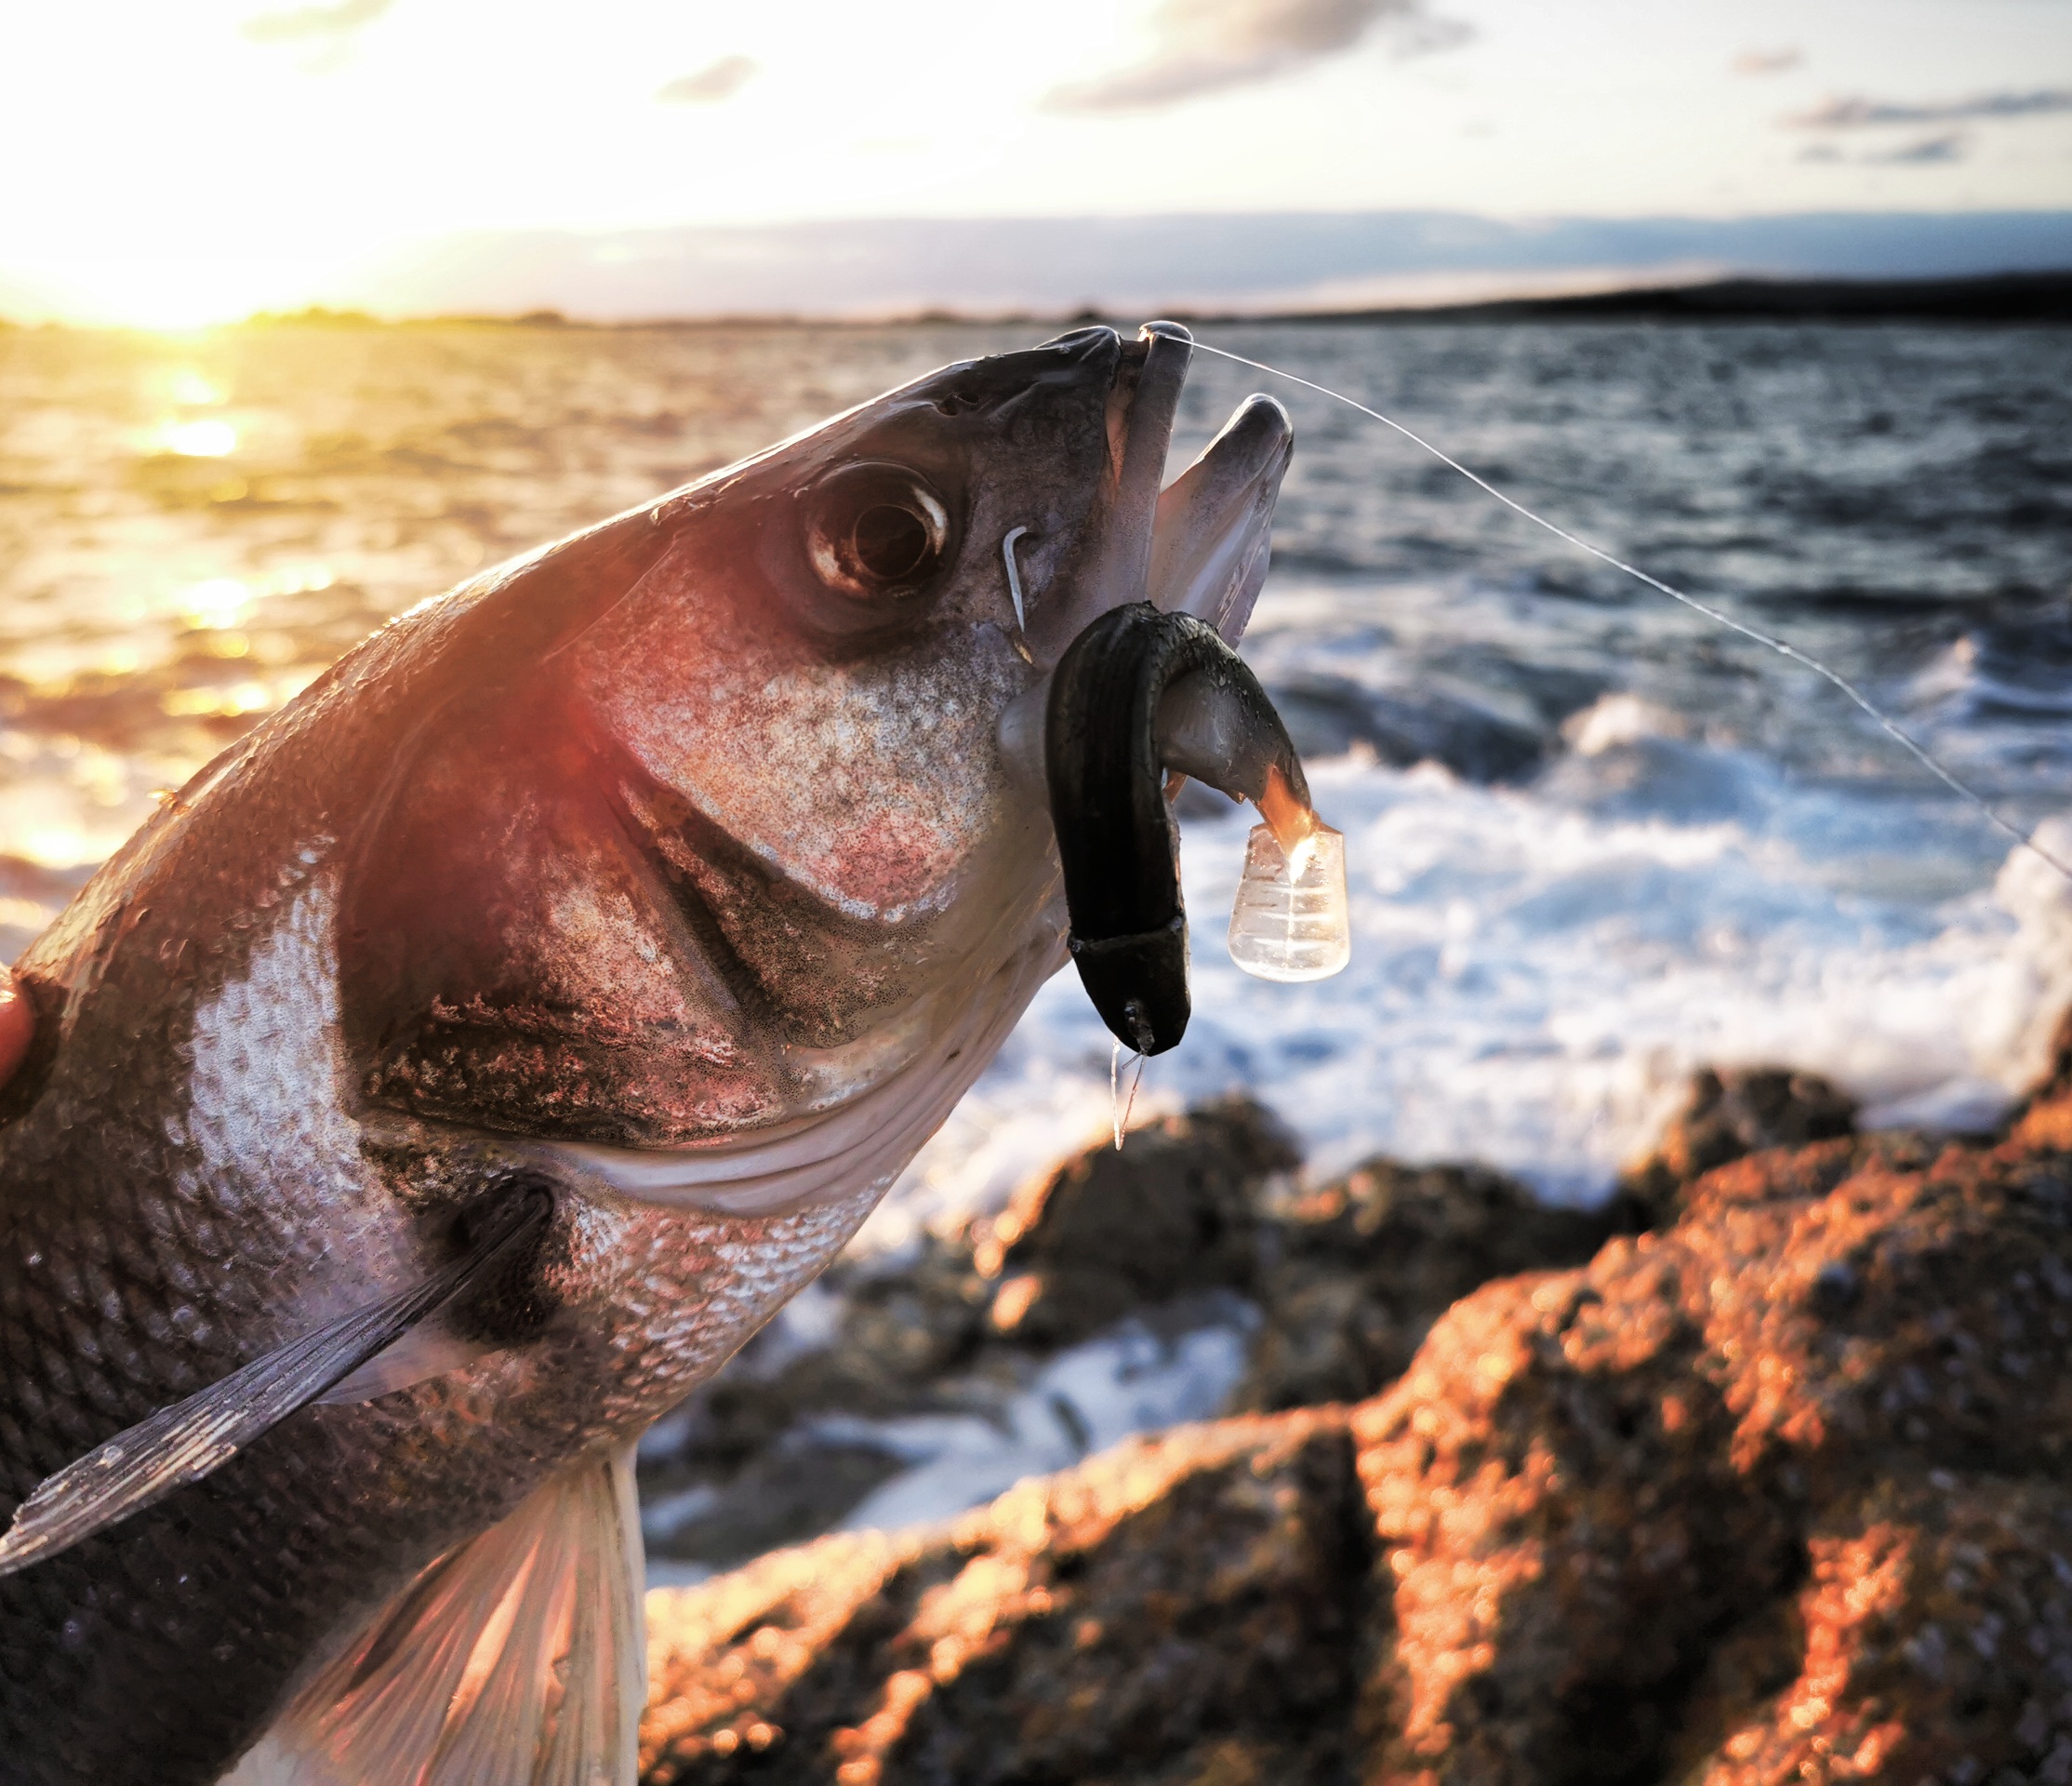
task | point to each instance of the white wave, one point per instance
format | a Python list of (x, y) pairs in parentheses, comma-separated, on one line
[(1085, 1399), (1536, 971)]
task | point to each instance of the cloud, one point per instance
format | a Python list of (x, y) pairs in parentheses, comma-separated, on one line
[(712, 84), (1929, 151), (303, 22), (1853, 114), (1206, 45), (1768, 62)]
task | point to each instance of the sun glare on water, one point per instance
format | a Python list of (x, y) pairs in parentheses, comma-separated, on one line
[(56, 847), (232, 702), (194, 389), (220, 602), (208, 438)]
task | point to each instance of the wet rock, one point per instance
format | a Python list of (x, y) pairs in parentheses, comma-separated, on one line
[(1196, 1223), (1931, 1642), (2043, 1120), (1730, 1114), (1367, 1263), (1783, 1493), (799, 1485)]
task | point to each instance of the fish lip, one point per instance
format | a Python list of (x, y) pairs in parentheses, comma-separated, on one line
[(1198, 545), (1149, 374), (1212, 531)]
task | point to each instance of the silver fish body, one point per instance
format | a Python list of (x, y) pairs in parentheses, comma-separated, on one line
[(687, 873)]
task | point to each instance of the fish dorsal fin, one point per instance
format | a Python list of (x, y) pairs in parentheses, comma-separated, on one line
[(181, 1445), (517, 1659)]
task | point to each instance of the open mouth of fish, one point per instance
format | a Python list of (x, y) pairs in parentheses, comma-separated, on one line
[(1139, 684)]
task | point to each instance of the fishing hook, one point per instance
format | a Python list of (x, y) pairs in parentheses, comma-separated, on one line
[(1013, 575)]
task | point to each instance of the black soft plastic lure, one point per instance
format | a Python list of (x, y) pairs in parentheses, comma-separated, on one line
[(1139, 697)]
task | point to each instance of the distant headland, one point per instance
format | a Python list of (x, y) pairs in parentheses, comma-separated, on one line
[(1999, 297)]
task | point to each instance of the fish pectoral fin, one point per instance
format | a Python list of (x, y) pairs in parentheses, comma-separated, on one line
[(517, 1659), (182, 1443), (430, 1348)]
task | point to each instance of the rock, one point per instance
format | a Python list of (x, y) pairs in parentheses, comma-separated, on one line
[(1174, 1210), (1730, 1114), (1367, 1263), (2044, 1119), (1784, 1493), (1179, 1609), (1890, 1662), (799, 1486), (1343, 1282), (1592, 1486)]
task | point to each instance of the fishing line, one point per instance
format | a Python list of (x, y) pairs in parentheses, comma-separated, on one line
[(1119, 1112), (1781, 646)]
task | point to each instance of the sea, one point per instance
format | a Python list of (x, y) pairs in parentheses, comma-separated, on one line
[(1594, 842)]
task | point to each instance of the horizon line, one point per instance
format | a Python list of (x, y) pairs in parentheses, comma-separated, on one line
[(2036, 294)]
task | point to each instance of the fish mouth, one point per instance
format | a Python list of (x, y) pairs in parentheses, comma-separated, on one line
[(1205, 536), (1198, 546)]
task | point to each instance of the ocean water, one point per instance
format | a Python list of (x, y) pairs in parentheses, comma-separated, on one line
[(1592, 841)]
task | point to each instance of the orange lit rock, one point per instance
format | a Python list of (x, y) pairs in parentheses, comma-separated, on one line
[(1931, 1642), (1782, 1494), (1187, 1601), (1597, 1494), (18, 1026), (1362, 1266), (1726, 1115), (1109, 1232)]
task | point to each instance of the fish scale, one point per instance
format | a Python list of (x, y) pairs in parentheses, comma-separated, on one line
[(571, 969)]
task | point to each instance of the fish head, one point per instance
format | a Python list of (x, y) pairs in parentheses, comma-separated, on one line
[(754, 861), (817, 665)]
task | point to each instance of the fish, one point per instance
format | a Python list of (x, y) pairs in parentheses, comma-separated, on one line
[(465, 1063)]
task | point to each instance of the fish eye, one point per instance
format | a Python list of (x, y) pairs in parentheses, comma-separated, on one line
[(876, 532), (892, 542)]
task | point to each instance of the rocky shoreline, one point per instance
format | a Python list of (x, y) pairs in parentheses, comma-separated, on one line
[(1758, 1474), (1193, 1238)]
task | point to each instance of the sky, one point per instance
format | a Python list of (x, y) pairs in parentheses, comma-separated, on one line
[(179, 161)]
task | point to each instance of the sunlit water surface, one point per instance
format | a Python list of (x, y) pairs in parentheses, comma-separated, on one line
[(1593, 842)]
